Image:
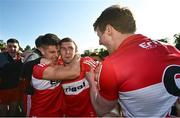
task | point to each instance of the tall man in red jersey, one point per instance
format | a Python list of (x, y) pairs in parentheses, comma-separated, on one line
[(140, 74)]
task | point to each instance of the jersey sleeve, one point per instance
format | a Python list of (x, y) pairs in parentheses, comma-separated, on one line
[(38, 70), (108, 87)]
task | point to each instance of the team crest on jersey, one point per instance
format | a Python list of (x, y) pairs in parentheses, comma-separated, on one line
[(171, 78), (75, 87)]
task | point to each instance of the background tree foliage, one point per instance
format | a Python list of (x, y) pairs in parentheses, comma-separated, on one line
[(100, 52), (177, 41), (165, 40), (27, 48), (2, 44)]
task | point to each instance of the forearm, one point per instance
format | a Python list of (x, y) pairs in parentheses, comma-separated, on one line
[(59, 73), (100, 104)]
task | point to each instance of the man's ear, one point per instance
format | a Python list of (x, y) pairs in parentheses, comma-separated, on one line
[(108, 29), (41, 50)]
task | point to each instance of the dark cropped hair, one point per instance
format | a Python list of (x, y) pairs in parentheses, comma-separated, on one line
[(67, 39), (118, 17), (38, 41), (12, 40), (46, 40)]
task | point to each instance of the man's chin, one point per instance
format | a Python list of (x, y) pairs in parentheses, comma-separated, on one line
[(67, 62)]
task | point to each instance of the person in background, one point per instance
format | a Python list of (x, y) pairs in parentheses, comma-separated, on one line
[(26, 54), (140, 74), (3, 49), (10, 87), (37, 52)]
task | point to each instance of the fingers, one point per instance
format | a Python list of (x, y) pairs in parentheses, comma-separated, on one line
[(97, 74), (90, 77), (89, 61), (90, 74), (98, 71)]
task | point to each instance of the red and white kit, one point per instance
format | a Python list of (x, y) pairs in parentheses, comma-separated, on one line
[(46, 100), (76, 96), (143, 88)]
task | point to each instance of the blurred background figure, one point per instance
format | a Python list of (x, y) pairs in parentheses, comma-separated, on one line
[(10, 85)]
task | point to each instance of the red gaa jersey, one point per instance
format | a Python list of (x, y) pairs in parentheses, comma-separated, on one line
[(46, 100), (76, 98), (141, 74)]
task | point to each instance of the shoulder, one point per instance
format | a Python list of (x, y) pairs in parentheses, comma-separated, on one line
[(173, 49), (32, 56), (30, 64), (3, 59), (111, 58), (4, 54)]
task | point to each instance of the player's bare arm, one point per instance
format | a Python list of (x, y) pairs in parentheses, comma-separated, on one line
[(58, 72), (100, 104)]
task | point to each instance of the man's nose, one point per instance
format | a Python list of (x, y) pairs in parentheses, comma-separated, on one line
[(56, 55), (68, 51), (13, 48)]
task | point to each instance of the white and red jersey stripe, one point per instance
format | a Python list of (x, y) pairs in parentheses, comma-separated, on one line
[(46, 100), (76, 95)]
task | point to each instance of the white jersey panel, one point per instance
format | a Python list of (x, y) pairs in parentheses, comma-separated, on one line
[(141, 102), (75, 88), (43, 84)]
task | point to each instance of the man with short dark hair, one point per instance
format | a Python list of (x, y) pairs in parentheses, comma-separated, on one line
[(10, 91), (76, 98), (47, 46), (141, 74)]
